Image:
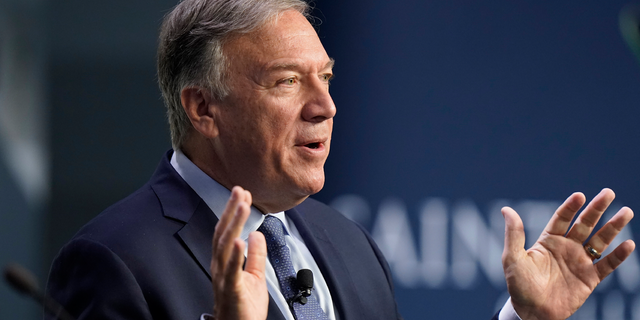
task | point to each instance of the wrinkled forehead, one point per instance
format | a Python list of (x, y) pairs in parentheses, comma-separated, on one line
[(287, 36)]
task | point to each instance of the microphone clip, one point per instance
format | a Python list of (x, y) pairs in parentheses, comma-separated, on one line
[(304, 280), (301, 297)]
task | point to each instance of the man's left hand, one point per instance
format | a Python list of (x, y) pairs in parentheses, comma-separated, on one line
[(556, 275)]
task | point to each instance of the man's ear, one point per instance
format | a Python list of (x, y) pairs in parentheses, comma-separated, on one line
[(199, 105)]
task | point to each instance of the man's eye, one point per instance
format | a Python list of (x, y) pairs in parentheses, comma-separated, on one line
[(289, 81), (326, 77)]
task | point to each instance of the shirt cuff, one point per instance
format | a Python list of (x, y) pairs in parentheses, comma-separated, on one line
[(206, 316), (507, 312)]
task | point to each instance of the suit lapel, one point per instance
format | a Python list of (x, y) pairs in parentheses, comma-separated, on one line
[(180, 202), (196, 235), (327, 256)]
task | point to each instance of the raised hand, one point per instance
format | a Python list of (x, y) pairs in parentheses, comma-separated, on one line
[(556, 275), (238, 294)]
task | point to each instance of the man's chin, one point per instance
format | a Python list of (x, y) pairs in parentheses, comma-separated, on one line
[(306, 190), (313, 186)]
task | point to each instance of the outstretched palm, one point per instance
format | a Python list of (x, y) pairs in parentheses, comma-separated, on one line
[(556, 275), (239, 294)]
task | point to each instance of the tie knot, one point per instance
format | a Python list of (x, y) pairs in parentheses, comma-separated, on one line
[(273, 231)]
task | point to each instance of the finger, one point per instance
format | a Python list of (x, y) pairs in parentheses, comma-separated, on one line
[(609, 263), (589, 217), (601, 240), (233, 270), (561, 219), (233, 230), (227, 215), (513, 236), (247, 197), (256, 254)]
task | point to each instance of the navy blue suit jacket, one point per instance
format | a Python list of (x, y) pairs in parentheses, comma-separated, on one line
[(148, 256)]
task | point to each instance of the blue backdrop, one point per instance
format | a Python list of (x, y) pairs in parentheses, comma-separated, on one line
[(448, 110)]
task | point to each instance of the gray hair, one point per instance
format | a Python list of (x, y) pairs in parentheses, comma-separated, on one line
[(190, 48)]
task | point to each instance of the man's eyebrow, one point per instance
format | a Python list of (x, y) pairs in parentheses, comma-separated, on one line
[(330, 64), (293, 65), (283, 66)]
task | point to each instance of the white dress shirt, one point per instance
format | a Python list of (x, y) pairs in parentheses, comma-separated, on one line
[(216, 197)]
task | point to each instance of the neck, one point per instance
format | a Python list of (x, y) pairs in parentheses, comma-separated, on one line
[(202, 153)]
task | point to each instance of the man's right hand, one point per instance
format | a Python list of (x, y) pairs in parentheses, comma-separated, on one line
[(238, 294)]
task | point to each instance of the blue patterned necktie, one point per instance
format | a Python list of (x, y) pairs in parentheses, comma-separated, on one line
[(280, 258)]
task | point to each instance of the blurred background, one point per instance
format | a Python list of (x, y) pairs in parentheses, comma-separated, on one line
[(447, 110)]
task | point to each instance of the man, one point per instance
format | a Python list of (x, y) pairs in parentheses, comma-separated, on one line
[(246, 86)]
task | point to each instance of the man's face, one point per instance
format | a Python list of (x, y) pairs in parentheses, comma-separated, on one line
[(275, 125)]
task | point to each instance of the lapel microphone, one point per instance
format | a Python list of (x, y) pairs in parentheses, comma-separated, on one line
[(304, 279), (24, 281)]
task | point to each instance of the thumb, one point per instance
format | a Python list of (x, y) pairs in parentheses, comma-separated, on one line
[(513, 236), (256, 254)]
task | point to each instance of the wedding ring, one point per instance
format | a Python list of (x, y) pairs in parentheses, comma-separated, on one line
[(592, 252)]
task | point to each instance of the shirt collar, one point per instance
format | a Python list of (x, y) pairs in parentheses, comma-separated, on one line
[(215, 195)]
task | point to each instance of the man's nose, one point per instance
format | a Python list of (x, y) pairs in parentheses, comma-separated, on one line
[(319, 105)]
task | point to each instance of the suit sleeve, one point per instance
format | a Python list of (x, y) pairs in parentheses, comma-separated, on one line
[(92, 282)]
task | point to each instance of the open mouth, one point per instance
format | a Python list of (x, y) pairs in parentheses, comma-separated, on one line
[(314, 145)]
